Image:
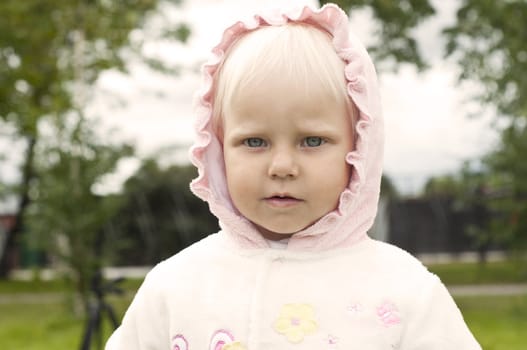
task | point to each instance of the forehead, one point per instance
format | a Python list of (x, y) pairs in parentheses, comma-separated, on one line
[(308, 84), (295, 59), (278, 104), (279, 92)]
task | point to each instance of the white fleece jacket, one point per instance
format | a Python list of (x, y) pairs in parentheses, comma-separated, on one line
[(214, 295)]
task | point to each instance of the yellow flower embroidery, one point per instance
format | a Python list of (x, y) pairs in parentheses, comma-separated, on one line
[(233, 346), (296, 321)]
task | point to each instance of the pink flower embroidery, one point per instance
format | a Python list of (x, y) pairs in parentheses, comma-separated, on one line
[(332, 341), (179, 343), (388, 314), (354, 309), (224, 340)]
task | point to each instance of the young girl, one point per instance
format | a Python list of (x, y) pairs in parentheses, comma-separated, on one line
[(289, 152)]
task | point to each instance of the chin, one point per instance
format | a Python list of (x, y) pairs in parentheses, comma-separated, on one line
[(279, 232)]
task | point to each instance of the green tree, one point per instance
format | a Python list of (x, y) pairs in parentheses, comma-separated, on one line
[(469, 193), (65, 216), (441, 186), (388, 189), (396, 20), (51, 53), (160, 215), (488, 41), (509, 168)]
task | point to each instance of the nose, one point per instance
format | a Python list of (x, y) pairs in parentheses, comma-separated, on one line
[(283, 165)]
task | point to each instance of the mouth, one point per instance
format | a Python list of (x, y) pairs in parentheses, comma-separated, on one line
[(282, 200)]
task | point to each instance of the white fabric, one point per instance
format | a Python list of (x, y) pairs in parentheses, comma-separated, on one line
[(280, 244), (371, 296)]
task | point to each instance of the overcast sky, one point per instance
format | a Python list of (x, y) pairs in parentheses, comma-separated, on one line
[(427, 129)]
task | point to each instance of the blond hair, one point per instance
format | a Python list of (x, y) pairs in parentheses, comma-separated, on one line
[(296, 52)]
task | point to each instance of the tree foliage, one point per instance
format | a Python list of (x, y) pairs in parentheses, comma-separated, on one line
[(488, 41), (160, 215), (51, 54), (396, 20), (388, 189), (509, 169), (470, 193), (65, 216)]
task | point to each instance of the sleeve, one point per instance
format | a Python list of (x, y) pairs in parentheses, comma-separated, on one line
[(145, 323), (435, 322)]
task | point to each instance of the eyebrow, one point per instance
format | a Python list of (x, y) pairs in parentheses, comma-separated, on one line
[(318, 127), (241, 132)]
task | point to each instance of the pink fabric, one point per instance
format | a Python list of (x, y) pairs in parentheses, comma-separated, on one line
[(357, 207)]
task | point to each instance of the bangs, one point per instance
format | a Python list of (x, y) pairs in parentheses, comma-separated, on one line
[(294, 55)]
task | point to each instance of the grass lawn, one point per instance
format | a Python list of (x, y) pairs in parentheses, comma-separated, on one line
[(473, 273), (499, 323), (38, 327), (53, 286), (45, 326)]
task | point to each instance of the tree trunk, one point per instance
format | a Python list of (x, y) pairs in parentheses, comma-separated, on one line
[(6, 258)]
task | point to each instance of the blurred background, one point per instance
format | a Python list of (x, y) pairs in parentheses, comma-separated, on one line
[(96, 120)]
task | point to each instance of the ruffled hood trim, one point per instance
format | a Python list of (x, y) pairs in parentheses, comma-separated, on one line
[(357, 206)]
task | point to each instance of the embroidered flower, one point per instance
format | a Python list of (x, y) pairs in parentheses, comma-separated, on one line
[(296, 321), (354, 309), (179, 343), (388, 314), (233, 346), (224, 340), (332, 342)]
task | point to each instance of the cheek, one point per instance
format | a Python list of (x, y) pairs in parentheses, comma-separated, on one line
[(336, 182), (338, 176), (345, 170), (238, 176), (239, 187), (234, 171)]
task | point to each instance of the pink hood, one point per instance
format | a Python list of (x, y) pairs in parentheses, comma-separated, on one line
[(357, 207)]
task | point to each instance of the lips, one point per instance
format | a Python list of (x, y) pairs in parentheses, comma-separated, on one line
[(282, 200)]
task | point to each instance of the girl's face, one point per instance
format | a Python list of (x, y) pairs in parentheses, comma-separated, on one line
[(285, 156)]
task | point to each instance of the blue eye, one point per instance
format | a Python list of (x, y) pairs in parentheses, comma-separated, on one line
[(313, 141), (254, 142)]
